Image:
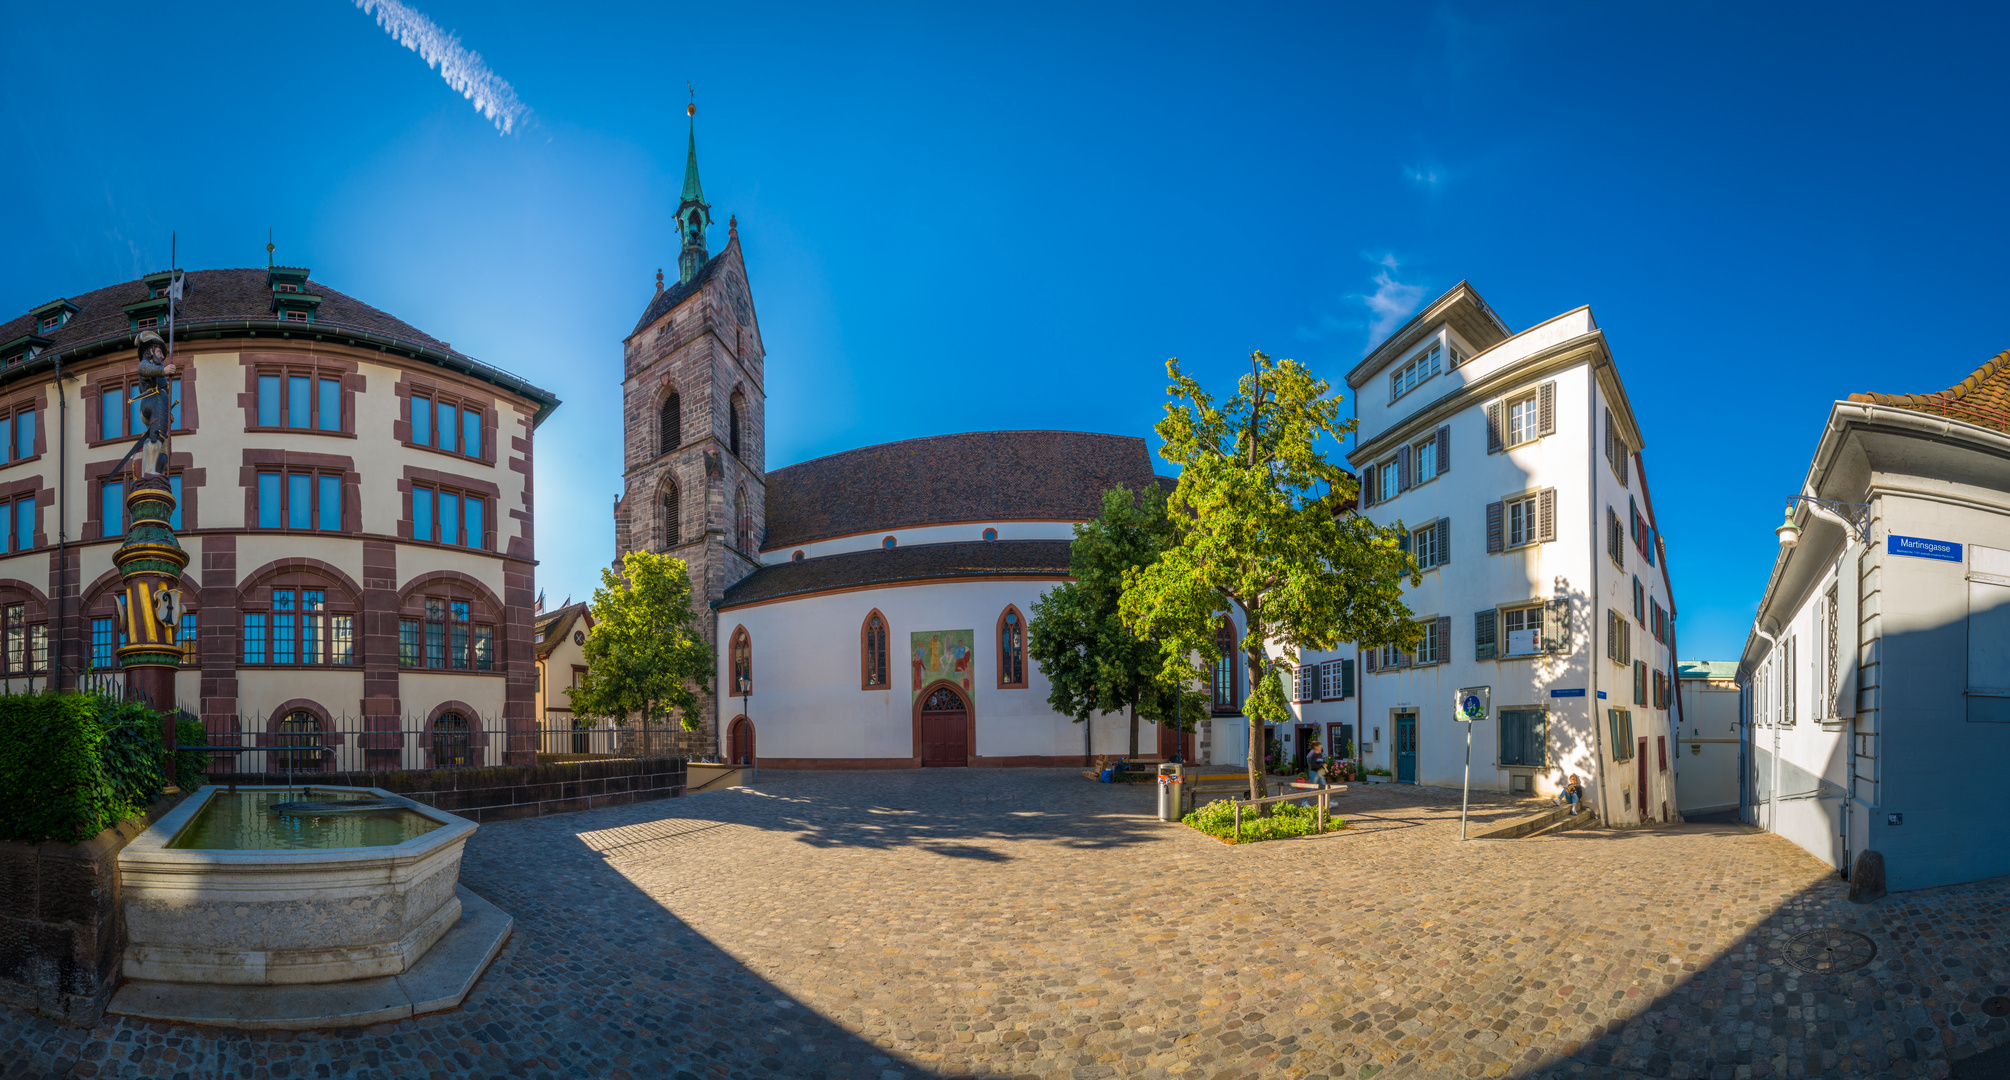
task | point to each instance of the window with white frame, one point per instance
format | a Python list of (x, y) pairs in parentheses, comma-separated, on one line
[(1308, 682), (1521, 631), (1521, 420), (1430, 544), (1392, 658), (1385, 478), (1428, 648), (1405, 379), (1521, 521), (1424, 461)]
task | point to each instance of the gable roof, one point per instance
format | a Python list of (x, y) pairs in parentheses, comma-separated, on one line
[(1035, 559), (1983, 398), (948, 479), (675, 294), (1460, 307), (230, 302), (553, 627)]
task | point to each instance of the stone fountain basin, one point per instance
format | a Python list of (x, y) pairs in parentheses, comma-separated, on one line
[(294, 916)]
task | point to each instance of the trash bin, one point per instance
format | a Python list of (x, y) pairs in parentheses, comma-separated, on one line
[(1169, 792)]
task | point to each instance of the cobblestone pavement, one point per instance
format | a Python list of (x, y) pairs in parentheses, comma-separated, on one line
[(1028, 923)]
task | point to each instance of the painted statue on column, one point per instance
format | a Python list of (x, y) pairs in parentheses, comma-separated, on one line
[(151, 560)]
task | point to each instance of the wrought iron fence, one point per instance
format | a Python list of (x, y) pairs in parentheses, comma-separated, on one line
[(304, 741)]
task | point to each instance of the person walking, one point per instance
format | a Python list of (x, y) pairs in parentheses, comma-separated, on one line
[(1313, 760), (1573, 793)]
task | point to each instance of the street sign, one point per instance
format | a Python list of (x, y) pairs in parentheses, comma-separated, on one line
[(1922, 548), (1472, 703), (1579, 692)]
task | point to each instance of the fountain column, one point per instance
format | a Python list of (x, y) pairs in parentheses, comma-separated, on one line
[(150, 563)]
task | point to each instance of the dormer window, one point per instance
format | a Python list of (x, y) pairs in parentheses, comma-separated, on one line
[(52, 315), (291, 302), (147, 322), (1426, 364)]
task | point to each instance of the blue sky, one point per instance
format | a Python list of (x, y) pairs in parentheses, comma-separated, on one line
[(963, 218)]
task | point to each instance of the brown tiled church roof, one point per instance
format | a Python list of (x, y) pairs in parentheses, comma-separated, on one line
[(1036, 559), (224, 301), (946, 479), (1983, 398)]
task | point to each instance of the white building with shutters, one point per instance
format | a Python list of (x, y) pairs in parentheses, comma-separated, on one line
[(1513, 461), (1877, 675)]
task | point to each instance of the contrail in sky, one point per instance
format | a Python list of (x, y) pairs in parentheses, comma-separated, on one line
[(463, 70)]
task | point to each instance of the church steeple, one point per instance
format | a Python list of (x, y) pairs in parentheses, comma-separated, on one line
[(694, 215)]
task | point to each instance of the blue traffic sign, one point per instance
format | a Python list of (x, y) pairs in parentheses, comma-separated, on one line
[(1921, 548)]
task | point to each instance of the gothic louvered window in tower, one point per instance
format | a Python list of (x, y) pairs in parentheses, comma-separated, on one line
[(670, 424), (733, 410), (745, 533), (668, 508)]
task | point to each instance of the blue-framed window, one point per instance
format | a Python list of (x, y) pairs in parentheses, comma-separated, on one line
[(299, 400), (454, 425), (444, 516), (300, 500)]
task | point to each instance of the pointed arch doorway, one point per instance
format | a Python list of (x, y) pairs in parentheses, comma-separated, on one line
[(942, 727)]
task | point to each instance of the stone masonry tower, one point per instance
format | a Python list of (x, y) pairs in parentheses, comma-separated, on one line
[(694, 417)]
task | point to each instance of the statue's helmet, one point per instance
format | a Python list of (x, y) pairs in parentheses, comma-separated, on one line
[(149, 340)]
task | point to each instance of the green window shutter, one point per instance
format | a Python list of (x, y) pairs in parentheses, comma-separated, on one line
[(1346, 678), (1511, 736), (1494, 427), (1486, 645)]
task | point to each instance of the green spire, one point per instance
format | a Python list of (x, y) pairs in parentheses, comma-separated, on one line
[(693, 215), (693, 192)]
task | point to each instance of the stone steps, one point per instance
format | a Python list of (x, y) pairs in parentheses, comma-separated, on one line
[(1549, 822)]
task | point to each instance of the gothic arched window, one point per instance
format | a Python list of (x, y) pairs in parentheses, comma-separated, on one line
[(742, 654), (745, 532), (1011, 649), (1225, 699), (872, 655), (667, 514), (670, 424), (733, 411)]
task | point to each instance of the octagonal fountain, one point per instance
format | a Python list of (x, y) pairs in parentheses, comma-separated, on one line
[(339, 894)]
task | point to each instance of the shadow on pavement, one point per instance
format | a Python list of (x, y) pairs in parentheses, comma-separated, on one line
[(1768, 1007)]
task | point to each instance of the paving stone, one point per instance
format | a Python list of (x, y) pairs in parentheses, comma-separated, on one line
[(1026, 923)]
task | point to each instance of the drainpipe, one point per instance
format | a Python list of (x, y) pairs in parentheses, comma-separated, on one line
[(62, 531), (1772, 782)]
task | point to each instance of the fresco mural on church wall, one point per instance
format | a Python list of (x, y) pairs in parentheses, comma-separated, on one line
[(943, 654)]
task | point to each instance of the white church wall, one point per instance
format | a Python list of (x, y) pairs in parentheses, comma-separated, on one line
[(808, 709)]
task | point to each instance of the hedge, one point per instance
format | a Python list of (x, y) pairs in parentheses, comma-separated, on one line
[(73, 765)]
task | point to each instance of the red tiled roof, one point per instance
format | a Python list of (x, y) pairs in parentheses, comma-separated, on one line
[(944, 479), (1983, 398)]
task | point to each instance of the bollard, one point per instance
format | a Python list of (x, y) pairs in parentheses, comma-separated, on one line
[(1169, 792)]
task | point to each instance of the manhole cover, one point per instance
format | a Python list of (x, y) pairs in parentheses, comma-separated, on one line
[(1996, 1006), (1829, 952)]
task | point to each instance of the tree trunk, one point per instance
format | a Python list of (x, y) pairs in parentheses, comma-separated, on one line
[(1134, 731), (1253, 662)]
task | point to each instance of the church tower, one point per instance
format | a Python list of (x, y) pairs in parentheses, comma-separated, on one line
[(694, 419)]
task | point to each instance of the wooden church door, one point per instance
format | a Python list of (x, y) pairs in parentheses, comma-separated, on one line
[(945, 721)]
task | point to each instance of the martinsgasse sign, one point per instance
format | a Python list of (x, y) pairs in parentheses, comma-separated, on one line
[(1919, 547)]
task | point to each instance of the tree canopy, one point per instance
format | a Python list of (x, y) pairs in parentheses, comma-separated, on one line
[(1261, 520), (645, 656), (1092, 660)]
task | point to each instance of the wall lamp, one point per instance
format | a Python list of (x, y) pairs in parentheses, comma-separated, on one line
[(1848, 515)]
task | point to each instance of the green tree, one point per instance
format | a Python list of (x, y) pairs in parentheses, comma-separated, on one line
[(645, 656), (1093, 662), (1257, 523)]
